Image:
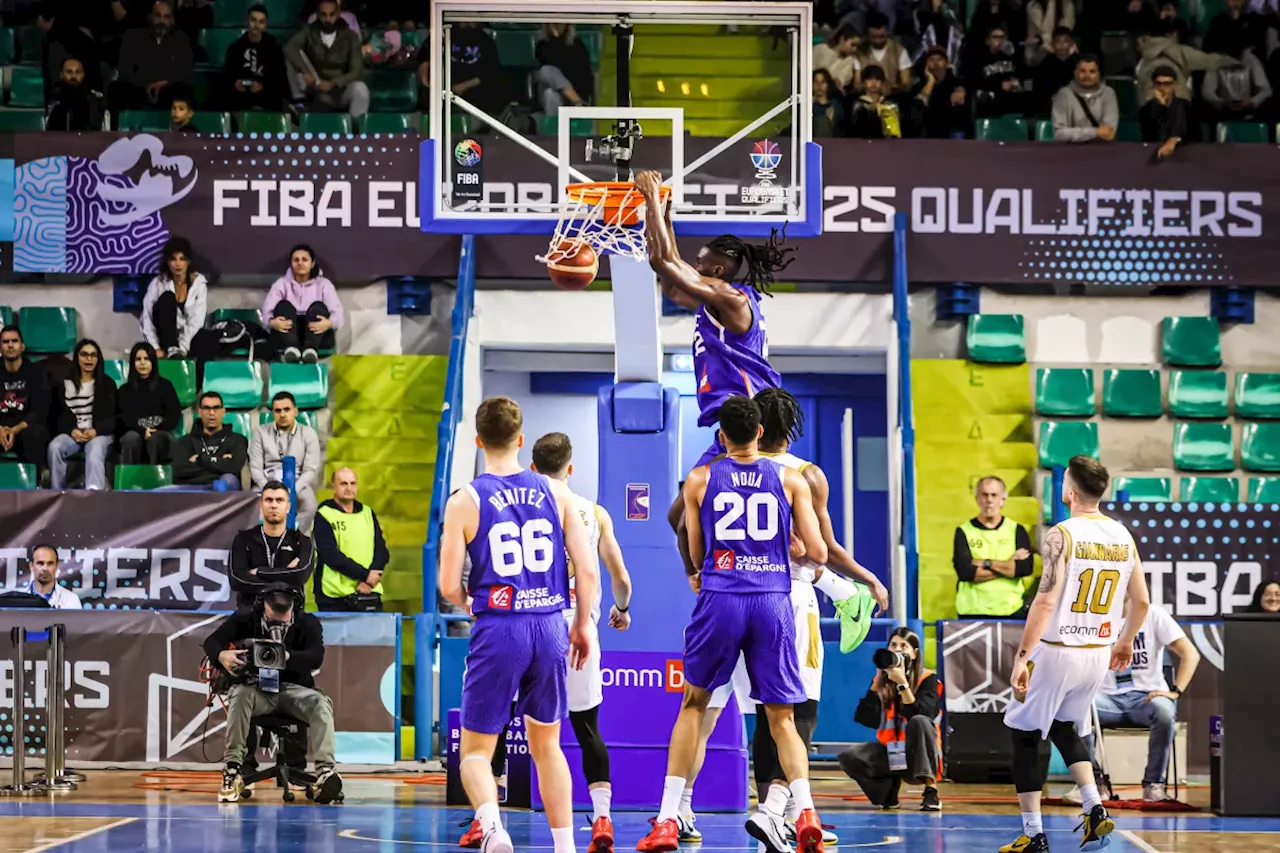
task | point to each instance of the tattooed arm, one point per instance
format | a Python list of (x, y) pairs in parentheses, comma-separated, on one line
[(1053, 550)]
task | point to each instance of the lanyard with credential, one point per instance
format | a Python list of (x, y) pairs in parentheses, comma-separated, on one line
[(271, 555), (288, 443)]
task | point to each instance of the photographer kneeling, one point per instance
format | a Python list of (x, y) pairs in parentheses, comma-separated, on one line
[(903, 706), (270, 653)]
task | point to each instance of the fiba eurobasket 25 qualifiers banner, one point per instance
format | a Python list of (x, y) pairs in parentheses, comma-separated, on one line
[(163, 550), (134, 694), (977, 211)]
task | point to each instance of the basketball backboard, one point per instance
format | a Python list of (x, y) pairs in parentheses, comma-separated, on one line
[(731, 132)]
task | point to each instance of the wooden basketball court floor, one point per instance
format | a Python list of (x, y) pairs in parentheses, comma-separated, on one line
[(177, 813)]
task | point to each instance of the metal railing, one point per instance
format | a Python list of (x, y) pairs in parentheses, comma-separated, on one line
[(55, 776)]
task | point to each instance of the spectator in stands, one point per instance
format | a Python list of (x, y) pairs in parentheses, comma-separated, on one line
[(988, 14), (269, 552), (284, 436), (254, 68), (302, 309), (938, 25), (73, 104), (944, 107), (904, 706), (475, 69), (24, 402), (149, 411), (346, 16), (1266, 598), (873, 116), (884, 53), (153, 60), (828, 110), (326, 63), (1057, 69), (991, 555), (173, 309), (995, 76), (44, 579), (182, 111), (564, 73), (1237, 92), (1159, 48), (84, 406), (858, 13), (212, 454), (64, 40), (1044, 19), (836, 55), (1165, 118), (351, 551), (1086, 109), (1233, 30), (1178, 28)]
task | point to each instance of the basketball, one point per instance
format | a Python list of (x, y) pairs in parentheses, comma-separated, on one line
[(573, 269)]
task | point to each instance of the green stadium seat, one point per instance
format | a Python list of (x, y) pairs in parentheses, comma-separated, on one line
[(216, 42), (141, 478), (239, 382), (578, 127), (1065, 392), (15, 477), (48, 331), (334, 123), (180, 428), (284, 13), (308, 383), (1131, 394), (19, 121), (26, 86), (1258, 395), (1044, 130), (1126, 89), (996, 338), (1191, 341), (1129, 130), (1002, 129), (148, 121), (305, 416), (393, 90), (387, 123), (1247, 132), (1061, 440), (1263, 490), (213, 123), (117, 369), (256, 122), (183, 376), (6, 315), (1203, 447), (1260, 446), (30, 44), (1197, 394), (241, 423), (518, 48), (244, 315), (233, 13), (8, 46), (1209, 490), (593, 41), (1143, 488)]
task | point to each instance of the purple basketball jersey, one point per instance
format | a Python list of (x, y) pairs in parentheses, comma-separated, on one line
[(727, 364), (746, 524), (518, 562)]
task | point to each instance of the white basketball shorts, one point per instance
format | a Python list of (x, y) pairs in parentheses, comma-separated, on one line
[(1064, 681), (585, 687)]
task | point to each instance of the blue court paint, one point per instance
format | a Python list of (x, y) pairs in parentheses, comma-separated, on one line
[(374, 825)]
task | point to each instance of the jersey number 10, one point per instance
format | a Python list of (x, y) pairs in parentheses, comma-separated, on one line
[(1096, 597), (761, 510), (514, 547)]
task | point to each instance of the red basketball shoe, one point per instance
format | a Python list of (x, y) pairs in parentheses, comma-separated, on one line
[(664, 837), (601, 836), (808, 832), (471, 838)]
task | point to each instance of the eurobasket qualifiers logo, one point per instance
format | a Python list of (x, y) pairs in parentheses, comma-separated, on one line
[(467, 153), (765, 158)]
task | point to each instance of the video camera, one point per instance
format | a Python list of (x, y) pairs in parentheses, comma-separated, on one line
[(268, 653), (888, 659)]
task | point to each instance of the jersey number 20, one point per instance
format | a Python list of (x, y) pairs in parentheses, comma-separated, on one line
[(514, 548), (1095, 597), (761, 510)]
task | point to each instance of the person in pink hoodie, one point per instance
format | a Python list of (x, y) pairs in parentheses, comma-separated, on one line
[(302, 309)]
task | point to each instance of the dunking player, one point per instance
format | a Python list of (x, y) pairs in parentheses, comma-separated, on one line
[(741, 511), (1090, 565), (516, 526), (782, 421)]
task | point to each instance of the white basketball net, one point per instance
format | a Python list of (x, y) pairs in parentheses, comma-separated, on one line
[(594, 217)]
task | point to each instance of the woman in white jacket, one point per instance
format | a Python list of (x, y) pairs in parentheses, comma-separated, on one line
[(174, 308)]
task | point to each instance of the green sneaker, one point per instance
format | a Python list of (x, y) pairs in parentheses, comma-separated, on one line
[(855, 618)]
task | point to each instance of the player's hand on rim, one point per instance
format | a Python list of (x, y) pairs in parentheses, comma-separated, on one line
[(648, 182)]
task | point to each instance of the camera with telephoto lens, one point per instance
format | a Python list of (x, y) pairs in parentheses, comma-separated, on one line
[(888, 659), (269, 653)]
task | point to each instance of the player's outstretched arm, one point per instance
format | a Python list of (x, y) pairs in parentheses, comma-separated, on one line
[(804, 521), (611, 559), (695, 489), (837, 557), (460, 516)]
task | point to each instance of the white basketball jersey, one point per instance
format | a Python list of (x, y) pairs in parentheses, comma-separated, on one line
[(1099, 560), (806, 572), (586, 511)]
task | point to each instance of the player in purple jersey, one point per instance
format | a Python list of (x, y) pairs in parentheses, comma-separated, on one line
[(741, 512), (516, 526)]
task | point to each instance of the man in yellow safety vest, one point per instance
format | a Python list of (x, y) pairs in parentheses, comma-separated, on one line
[(992, 556)]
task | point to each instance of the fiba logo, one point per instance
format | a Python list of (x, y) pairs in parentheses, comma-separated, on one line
[(766, 156), (467, 153)]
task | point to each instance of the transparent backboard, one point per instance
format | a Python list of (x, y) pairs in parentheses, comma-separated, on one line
[(730, 132)]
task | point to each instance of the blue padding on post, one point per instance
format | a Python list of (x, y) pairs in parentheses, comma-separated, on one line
[(637, 407), (37, 636)]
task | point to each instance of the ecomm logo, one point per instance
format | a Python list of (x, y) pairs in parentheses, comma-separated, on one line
[(670, 679)]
